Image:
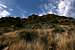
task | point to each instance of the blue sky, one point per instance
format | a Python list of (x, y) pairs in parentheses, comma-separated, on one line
[(25, 8)]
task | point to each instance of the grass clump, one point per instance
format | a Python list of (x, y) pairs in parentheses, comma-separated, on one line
[(28, 36), (58, 29)]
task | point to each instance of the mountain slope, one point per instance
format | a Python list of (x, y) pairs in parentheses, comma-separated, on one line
[(48, 32)]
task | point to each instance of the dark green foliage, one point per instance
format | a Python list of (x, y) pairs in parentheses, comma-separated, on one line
[(36, 26), (28, 36), (0, 33), (43, 19), (2, 47), (9, 21), (58, 29), (28, 26), (34, 19)]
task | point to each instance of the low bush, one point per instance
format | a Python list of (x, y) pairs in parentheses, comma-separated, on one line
[(28, 36), (58, 29)]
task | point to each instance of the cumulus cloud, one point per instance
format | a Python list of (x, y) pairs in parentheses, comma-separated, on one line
[(70, 11), (66, 8), (47, 8), (1, 5), (3, 11), (11, 9), (59, 7)]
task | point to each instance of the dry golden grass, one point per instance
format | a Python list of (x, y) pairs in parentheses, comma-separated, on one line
[(46, 40)]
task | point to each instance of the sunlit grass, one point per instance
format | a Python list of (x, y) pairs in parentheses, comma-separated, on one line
[(38, 39)]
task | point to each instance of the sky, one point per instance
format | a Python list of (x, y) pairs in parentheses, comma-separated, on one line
[(24, 8)]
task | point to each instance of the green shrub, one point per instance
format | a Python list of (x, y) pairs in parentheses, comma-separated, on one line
[(36, 26), (28, 36), (58, 29)]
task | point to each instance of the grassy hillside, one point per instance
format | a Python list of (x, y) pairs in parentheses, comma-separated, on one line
[(48, 32)]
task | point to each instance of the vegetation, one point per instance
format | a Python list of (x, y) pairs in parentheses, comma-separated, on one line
[(28, 36), (58, 29), (48, 32)]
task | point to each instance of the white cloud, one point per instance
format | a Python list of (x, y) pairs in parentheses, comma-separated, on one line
[(46, 9), (64, 7), (50, 12), (40, 14), (4, 6), (3, 11), (61, 7), (11, 9), (69, 7)]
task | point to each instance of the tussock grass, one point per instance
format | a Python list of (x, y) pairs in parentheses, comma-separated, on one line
[(38, 39)]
